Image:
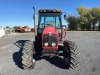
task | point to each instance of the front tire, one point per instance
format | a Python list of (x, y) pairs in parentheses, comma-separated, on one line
[(27, 55), (71, 53)]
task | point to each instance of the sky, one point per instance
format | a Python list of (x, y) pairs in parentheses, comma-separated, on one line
[(20, 12)]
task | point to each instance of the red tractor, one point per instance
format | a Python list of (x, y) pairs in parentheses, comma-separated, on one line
[(49, 40)]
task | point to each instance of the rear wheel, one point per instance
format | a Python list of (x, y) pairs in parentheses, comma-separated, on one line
[(27, 55), (71, 54)]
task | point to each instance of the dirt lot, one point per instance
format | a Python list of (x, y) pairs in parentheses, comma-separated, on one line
[(88, 46)]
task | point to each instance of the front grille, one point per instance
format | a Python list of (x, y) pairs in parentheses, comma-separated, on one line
[(49, 39)]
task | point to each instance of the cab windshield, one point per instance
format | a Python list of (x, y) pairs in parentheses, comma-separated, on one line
[(49, 19)]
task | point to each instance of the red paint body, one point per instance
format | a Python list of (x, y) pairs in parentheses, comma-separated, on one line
[(52, 30)]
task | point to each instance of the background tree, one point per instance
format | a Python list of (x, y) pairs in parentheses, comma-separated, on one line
[(95, 16), (98, 17), (72, 22), (85, 22)]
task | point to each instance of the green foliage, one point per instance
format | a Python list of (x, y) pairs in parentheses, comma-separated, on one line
[(7, 26), (95, 13), (72, 22), (87, 19), (84, 18), (99, 25), (82, 11)]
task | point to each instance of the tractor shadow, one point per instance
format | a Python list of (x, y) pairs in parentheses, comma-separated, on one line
[(56, 60), (17, 56)]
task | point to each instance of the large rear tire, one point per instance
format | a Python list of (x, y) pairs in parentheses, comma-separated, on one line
[(27, 55), (71, 54)]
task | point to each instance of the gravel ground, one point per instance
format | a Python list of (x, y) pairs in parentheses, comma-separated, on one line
[(88, 45)]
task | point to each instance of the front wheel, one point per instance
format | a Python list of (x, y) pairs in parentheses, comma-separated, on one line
[(27, 55), (71, 54)]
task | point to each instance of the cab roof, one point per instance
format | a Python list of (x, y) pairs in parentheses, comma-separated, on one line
[(49, 11)]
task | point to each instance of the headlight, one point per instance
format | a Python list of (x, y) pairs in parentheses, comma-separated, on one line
[(53, 44), (46, 44)]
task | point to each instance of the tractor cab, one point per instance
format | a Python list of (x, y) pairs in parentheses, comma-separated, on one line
[(50, 17)]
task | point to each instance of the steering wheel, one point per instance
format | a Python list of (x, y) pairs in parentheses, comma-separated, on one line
[(49, 22)]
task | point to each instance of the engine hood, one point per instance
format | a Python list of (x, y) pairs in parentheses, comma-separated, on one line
[(49, 36), (50, 30)]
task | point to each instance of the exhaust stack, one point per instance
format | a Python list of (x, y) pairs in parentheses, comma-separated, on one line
[(34, 17)]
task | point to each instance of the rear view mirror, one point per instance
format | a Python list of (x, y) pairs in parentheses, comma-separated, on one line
[(34, 13), (65, 16)]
